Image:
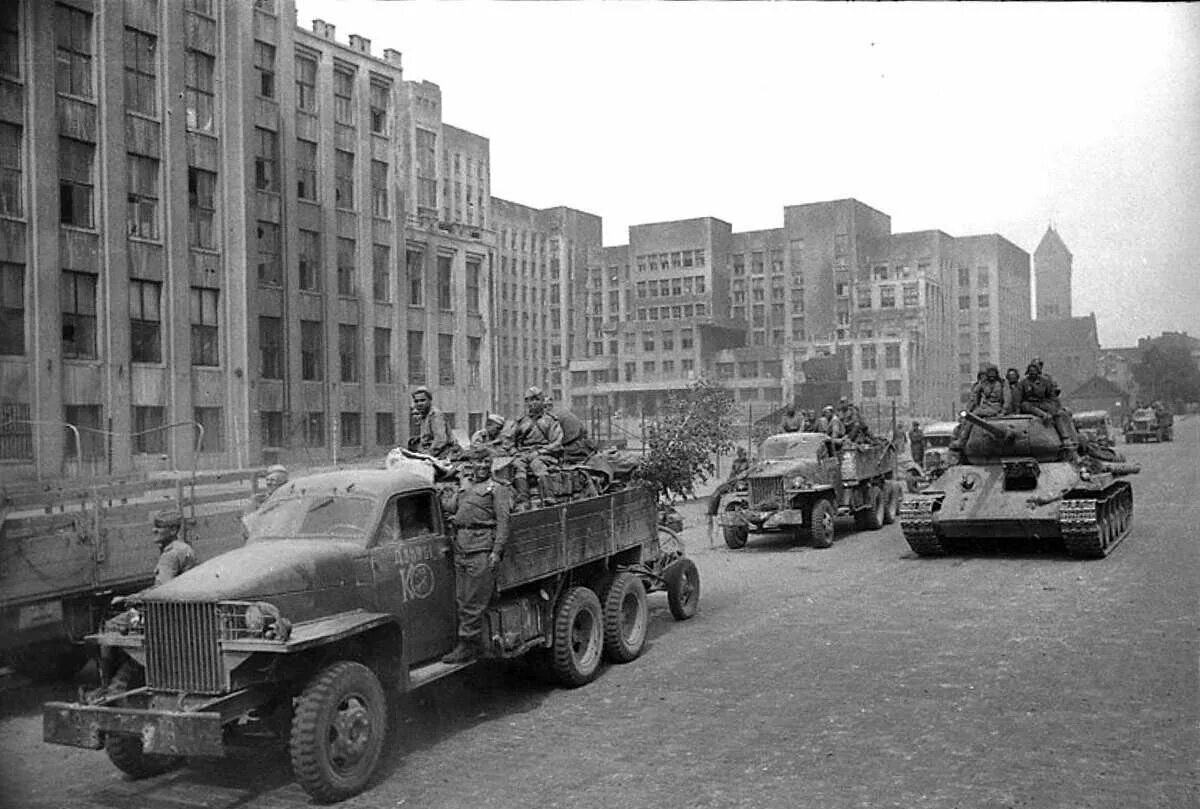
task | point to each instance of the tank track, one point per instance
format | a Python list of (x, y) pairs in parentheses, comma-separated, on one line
[(916, 521), (1092, 526)]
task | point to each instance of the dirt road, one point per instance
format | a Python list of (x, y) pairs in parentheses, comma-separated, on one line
[(858, 676)]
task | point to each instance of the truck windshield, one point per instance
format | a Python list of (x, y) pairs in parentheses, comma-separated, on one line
[(313, 517), (938, 441)]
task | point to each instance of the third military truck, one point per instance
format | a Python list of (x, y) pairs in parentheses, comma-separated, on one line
[(1015, 481), (1149, 424), (801, 481)]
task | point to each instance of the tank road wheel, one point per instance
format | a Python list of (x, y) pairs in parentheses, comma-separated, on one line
[(916, 522), (871, 517), (818, 528), (626, 618), (337, 731), (895, 493), (125, 752), (683, 589), (736, 536), (578, 637), (1091, 528)]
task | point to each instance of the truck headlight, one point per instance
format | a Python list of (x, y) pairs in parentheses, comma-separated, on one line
[(259, 620), (798, 482)]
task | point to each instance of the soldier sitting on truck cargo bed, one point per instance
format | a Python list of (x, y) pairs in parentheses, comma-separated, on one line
[(536, 445), (481, 531)]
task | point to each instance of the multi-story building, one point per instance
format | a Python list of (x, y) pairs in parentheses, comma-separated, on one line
[(992, 290), (1052, 267), (541, 287), (209, 234)]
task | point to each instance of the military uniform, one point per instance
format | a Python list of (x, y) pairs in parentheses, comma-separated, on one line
[(576, 446), (481, 530), (1039, 397), (537, 446), (433, 434), (793, 422), (175, 558)]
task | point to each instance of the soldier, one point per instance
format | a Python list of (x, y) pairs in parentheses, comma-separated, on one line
[(741, 463), (1012, 379), (536, 444), (175, 555), (988, 400), (481, 531), (276, 476), (830, 424), (857, 430), (793, 422), (916, 442), (433, 433), (1039, 397), (489, 438), (577, 446)]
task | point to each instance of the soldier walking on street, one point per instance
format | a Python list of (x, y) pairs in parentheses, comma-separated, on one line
[(916, 443), (481, 532)]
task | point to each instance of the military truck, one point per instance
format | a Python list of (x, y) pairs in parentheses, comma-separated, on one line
[(346, 585), (68, 546), (1149, 424), (801, 481), (938, 437), (1095, 425)]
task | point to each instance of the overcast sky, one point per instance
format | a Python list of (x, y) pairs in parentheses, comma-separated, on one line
[(969, 118)]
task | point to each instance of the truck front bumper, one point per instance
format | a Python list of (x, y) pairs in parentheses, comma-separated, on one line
[(763, 520)]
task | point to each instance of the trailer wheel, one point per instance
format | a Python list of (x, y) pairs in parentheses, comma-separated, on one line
[(683, 589), (895, 493), (578, 637), (125, 752), (871, 517), (736, 536), (625, 618), (338, 730), (819, 525)]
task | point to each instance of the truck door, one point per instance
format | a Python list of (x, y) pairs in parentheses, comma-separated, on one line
[(414, 574)]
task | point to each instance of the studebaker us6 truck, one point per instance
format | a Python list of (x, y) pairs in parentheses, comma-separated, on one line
[(801, 481), (345, 586)]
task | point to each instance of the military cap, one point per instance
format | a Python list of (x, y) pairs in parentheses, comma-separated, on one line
[(422, 389), (277, 469), (534, 392), (496, 418), (167, 518)]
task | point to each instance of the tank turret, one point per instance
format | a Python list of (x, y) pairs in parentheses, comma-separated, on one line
[(997, 431), (999, 437)]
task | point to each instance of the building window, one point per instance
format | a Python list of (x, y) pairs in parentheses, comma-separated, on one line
[(266, 160), (205, 347), (73, 57), (868, 389), (647, 341), (891, 355), (145, 321), (308, 255), (911, 295), (351, 429), (75, 183), (445, 286), (12, 310), (270, 266), (264, 63), (982, 277), (648, 367), (202, 206), (474, 346), (887, 296), (380, 96), (343, 179), (87, 419), (473, 265), (312, 351), (416, 358), (272, 428), (12, 192), (148, 437), (964, 277), (306, 170), (312, 429), (142, 198), (668, 341), (214, 428), (141, 72), (306, 83), (381, 275), (379, 188), (892, 388), (78, 296), (446, 359), (385, 429), (348, 352), (383, 355), (869, 357), (270, 346), (985, 301), (414, 261), (343, 97), (841, 245), (964, 303), (198, 83), (10, 60), (16, 433), (346, 249)]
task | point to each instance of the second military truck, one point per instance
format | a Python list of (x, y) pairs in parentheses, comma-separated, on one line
[(346, 584)]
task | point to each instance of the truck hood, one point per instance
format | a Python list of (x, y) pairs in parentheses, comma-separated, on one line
[(784, 467), (262, 569)]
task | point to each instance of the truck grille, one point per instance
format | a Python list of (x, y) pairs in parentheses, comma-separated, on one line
[(766, 491), (182, 652)]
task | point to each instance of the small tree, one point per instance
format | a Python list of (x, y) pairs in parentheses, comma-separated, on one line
[(696, 424), (1168, 373)]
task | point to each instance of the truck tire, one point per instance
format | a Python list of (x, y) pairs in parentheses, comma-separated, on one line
[(338, 730), (894, 494), (683, 589), (736, 536), (578, 637), (871, 517), (125, 752), (626, 617), (818, 525)]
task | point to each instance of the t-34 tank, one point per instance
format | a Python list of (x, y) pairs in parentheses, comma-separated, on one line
[(1013, 483)]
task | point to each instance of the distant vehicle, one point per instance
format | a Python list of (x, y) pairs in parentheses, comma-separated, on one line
[(801, 481), (1148, 424), (1096, 425), (938, 436)]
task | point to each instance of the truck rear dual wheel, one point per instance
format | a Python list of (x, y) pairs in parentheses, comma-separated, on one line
[(578, 637), (870, 517), (338, 730), (626, 617), (126, 754)]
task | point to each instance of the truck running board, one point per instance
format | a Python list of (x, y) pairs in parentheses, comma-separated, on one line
[(424, 675)]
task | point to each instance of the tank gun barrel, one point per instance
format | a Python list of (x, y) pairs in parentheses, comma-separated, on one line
[(1120, 469), (995, 431)]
